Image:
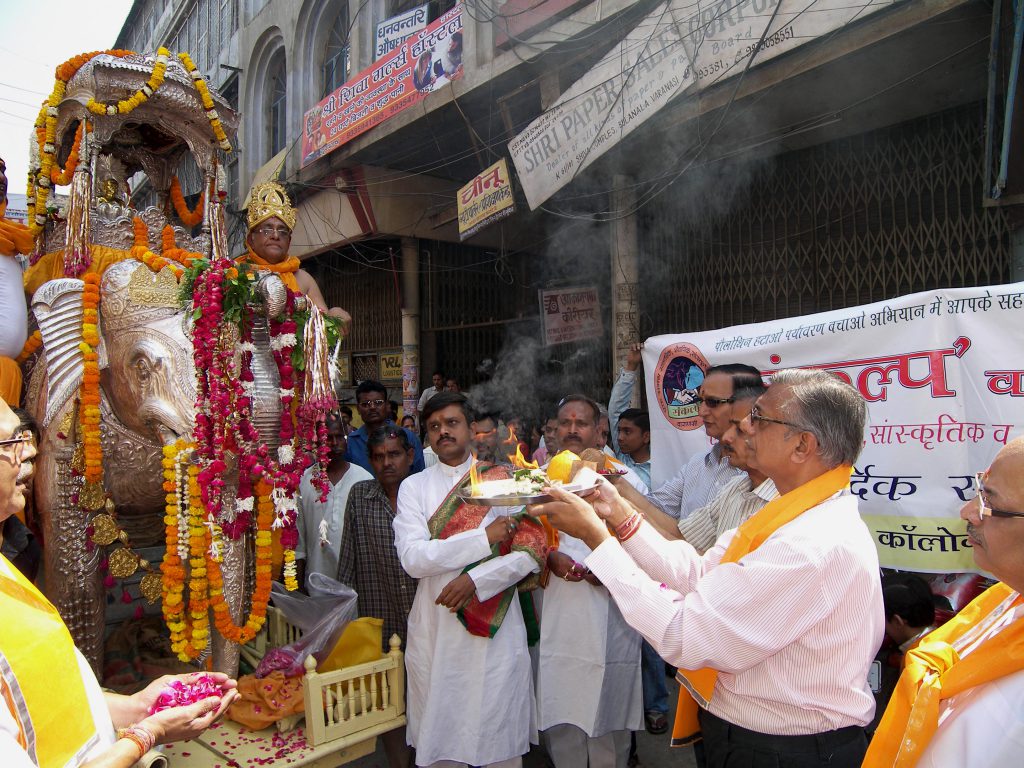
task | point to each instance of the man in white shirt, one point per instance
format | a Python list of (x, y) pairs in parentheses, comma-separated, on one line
[(429, 392), (972, 667), (588, 676), (740, 498), (705, 474), (775, 627), (320, 522), (470, 690)]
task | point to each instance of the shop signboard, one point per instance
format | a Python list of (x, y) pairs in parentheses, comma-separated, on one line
[(423, 62), (570, 314), (391, 365), (678, 48), (391, 32), (943, 376), (485, 200)]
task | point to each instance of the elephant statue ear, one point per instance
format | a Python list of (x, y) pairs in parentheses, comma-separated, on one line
[(57, 307)]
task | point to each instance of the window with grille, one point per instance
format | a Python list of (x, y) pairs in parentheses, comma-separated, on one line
[(336, 54), (278, 106)]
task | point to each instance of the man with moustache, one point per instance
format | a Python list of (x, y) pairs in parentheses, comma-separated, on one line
[(320, 522), (437, 380), (739, 499), (960, 698), (372, 404), (705, 474), (17, 543), (486, 440), (588, 674), (369, 562), (470, 692), (775, 627)]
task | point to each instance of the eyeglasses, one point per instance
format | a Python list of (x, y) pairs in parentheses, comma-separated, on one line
[(19, 444), (281, 232), (713, 402), (755, 416), (369, 403), (984, 510)]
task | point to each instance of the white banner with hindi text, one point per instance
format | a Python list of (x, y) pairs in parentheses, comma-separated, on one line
[(943, 374)]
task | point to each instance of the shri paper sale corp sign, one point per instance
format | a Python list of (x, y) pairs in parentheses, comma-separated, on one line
[(422, 63), (943, 375), (485, 200), (391, 32), (680, 47), (570, 314)]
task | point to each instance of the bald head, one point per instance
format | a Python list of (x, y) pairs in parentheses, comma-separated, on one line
[(998, 538)]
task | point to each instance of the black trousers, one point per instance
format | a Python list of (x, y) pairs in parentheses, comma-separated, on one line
[(730, 746)]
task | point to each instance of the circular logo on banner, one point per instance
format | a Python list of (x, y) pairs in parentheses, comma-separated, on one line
[(677, 377)]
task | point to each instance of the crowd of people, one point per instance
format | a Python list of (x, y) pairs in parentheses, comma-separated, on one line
[(750, 571)]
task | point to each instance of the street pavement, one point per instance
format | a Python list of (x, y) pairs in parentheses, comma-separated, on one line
[(652, 751)]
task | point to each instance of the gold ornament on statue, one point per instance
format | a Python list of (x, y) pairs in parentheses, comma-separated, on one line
[(91, 496), (104, 530), (151, 587), (123, 563), (268, 200)]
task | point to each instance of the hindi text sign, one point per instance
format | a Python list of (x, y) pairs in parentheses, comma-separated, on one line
[(485, 200), (570, 314)]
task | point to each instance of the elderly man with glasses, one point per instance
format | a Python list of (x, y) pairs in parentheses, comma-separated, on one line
[(960, 698), (271, 219), (775, 627), (53, 711)]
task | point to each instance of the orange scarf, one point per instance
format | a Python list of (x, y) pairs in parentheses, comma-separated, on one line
[(934, 671), (285, 269), (15, 237), (697, 686)]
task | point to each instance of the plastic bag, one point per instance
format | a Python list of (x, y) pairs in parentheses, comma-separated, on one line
[(322, 615)]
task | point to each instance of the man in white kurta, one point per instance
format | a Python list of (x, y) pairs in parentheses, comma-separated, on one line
[(589, 693), (470, 699), (320, 522)]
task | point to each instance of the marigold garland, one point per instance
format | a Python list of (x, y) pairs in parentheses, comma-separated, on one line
[(89, 393), (208, 105), (63, 177), (39, 181), (141, 96), (32, 344), (188, 217)]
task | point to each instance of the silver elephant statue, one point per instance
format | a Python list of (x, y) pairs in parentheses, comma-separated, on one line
[(148, 392)]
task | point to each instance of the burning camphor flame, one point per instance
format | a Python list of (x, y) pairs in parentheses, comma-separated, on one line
[(517, 459)]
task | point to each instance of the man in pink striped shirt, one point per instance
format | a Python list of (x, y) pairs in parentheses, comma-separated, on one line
[(790, 627)]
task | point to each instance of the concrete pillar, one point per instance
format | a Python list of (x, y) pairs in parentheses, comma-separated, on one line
[(410, 323), (625, 251)]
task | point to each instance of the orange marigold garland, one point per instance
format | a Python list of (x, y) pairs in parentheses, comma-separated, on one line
[(32, 344), (62, 177), (188, 217), (89, 395), (261, 595)]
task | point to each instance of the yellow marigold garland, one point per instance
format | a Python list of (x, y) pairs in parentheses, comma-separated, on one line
[(188, 218), (141, 96), (89, 395), (208, 105)]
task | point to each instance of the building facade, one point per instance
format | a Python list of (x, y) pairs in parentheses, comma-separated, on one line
[(857, 166)]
